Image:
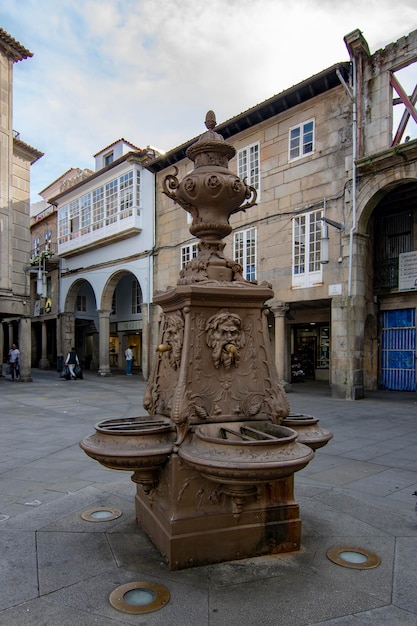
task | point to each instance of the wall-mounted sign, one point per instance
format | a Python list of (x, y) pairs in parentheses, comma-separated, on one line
[(131, 325), (37, 308), (407, 271), (335, 290)]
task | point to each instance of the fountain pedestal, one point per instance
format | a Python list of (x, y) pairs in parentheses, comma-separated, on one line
[(192, 521)]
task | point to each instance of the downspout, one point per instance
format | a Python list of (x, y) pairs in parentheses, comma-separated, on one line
[(352, 93), (354, 156)]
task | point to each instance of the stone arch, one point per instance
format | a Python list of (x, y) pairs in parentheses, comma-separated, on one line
[(79, 328), (110, 286), (374, 190), (125, 328), (71, 296)]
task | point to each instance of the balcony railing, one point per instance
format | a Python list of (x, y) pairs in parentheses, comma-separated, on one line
[(117, 226)]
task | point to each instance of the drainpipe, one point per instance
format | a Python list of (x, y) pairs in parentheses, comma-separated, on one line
[(354, 156), (352, 93)]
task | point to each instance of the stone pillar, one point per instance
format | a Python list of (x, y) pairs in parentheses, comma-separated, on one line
[(279, 310), (44, 363), (1, 348), (348, 323), (146, 340), (11, 338), (104, 340), (25, 336)]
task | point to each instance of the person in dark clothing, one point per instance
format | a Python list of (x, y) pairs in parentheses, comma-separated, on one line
[(72, 361)]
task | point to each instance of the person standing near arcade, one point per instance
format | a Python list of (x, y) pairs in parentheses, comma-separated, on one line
[(129, 360), (14, 362)]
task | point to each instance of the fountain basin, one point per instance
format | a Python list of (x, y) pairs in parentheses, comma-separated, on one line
[(308, 430), (244, 453), (137, 444)]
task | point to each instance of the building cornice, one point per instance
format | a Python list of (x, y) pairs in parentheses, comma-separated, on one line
[(12, 48)]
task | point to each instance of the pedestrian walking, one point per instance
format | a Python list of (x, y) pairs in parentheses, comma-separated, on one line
[(14, 362), (72, 361), (129, 360)]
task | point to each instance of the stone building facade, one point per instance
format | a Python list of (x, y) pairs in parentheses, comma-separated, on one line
[(16, 157), (337, 186), (105, 240)]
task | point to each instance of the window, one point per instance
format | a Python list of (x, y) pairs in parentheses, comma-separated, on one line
[(126, 195), (36, 244), (301, 140), (138, 192), (248, 166), (244, 251), (85, 213), (187, 253), (81, 303), (111, 202), (74, 219), (98, 208), (108, 158), (307, 269), (48, 238), (63, 225), (136, 297)]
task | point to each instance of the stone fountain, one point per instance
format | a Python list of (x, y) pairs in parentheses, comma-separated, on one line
[(214, 459)]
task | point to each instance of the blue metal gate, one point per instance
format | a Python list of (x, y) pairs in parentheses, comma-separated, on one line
[(398, 350)]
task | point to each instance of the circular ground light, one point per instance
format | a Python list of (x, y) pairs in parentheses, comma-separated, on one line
[(139, 597), (101, 514), (356, 558)]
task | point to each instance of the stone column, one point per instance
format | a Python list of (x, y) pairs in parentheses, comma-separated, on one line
[(11, 338), (279, 310), (44, 363), (1, 348), (25, 330), (104, 340), (146, 343), (348, 322)]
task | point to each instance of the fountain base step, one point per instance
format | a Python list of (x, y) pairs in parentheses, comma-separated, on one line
[(199, 522)]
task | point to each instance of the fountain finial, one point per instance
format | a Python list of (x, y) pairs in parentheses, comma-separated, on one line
[(210, 120)]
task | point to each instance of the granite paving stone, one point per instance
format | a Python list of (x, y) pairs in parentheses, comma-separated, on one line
[(57, 569)]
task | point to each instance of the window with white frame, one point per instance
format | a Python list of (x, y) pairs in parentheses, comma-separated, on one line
[(101, 207), (136, 297), (63, 223), (306, 266), (85, 203), (111, 202), (188, 252), (126, 195), (301, 140), (98, 208), (244, 251), (248, 166), (74, 219)]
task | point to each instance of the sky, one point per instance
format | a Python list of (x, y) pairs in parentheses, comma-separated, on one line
[(149, 70)]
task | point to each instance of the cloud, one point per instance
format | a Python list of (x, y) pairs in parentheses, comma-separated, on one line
[(148, 70)]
